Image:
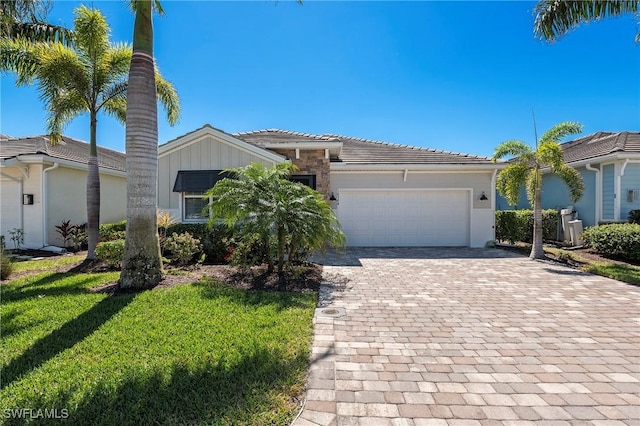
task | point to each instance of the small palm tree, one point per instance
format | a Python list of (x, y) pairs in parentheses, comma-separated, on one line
[(286, 215), (555, 18), (526, 169), (89, 77)]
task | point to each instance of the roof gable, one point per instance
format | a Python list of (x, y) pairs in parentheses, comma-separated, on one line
[(208, 130), (67, 149)]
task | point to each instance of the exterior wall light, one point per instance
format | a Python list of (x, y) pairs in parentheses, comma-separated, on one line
[(483, 197)]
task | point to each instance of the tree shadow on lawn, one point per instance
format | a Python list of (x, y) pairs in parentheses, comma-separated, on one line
[(38, 288), (63, 338), (247, 392), (282, 300)]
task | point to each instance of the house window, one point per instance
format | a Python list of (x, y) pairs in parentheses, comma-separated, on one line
[(195, 206), (309, 180)]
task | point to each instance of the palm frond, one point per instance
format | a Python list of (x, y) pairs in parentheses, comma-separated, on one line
[(168, 98), (560, 131), (549, 153), (19, 57), (534, 180), (512, 148), (510, 181), (555, 18)]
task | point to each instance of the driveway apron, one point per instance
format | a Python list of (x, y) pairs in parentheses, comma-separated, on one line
[(442, 336)]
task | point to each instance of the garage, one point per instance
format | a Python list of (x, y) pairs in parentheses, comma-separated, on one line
[(9, 207), (388, 218)]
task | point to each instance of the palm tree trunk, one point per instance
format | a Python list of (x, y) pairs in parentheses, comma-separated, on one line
[(537, 250), (93, 193), (142, 265)]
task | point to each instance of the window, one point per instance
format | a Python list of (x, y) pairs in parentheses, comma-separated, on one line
[(194, 206), (309, 180)]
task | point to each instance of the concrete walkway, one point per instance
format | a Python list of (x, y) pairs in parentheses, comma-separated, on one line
[(471, 337)]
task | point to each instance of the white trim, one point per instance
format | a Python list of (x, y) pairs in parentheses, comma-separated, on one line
[(400, 167), (326, 153), (45, 200), (22, 160), (297, 153), (200, 134), (404, 177), (610, 158)]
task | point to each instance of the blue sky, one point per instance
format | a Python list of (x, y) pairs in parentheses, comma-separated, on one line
[(456, 76)]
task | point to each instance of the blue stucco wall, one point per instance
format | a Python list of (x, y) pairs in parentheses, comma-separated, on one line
[(630, 181), (555, 195)]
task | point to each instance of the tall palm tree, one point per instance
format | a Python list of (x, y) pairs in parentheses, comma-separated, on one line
[(26, 19), (526, 169), (88, 77), (555, 18), (142, 263)]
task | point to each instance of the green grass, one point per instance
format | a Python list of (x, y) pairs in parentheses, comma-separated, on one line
[(39, 265), (193, 354), (621, 272)]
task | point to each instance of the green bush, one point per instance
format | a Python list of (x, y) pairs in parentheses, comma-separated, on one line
[(517, 225), (112, 231), (182, 247), (617, 239), (6, 266), (111, 252), (634, 216)]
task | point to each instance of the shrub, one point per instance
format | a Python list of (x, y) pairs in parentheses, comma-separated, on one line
[(517, 225), (634, 216), (617, 239), (6, 266), (112, 231), (111, 252), (182, 247)]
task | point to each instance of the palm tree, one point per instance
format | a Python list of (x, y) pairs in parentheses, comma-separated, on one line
[(142, 263), (288, 216), (89, 77), (526, 169), (25, 18), (555, 18)]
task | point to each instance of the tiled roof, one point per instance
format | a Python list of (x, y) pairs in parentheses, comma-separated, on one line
[(365, 151), (600, 144), (67, 149)]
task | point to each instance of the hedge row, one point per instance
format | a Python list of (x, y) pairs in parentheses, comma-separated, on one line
[(517, 225), (215, 242), (617, 239)]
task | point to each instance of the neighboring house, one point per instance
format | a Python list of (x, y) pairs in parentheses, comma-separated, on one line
[(383, 194), (42, 184), (610, 167)]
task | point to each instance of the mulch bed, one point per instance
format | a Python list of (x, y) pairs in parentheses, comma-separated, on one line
[(584, 253)]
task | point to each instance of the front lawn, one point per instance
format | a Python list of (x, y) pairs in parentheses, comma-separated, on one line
[(190, 354)]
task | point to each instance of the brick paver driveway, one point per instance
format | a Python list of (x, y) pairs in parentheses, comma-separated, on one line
[(466, 336)]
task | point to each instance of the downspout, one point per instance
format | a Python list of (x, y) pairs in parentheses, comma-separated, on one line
[(618, 198), (598, 199), (44, 202)]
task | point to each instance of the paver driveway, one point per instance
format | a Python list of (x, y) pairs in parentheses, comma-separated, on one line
[(471, 336)]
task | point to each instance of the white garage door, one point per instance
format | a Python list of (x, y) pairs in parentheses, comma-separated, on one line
[(388, 218), (9, 207)]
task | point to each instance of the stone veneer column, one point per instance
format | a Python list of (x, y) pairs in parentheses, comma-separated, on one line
[(311, 162)]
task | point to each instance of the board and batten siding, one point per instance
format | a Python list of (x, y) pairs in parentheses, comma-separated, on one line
[(608, 192), (208, 153), (630, 182)]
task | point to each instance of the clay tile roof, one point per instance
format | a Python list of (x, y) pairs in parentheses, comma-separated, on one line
[(67, 149), (365, 151), (600, 144)]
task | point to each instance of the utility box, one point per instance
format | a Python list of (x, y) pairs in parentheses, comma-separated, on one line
[(575, 230), (567, 216)]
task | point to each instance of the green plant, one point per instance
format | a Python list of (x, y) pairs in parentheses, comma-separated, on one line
[(78, 236), (111, 252), (6, 265), (182, 247), (616, 239), (517, 225), (113, 231), (289, 218), (16, 235), (634, 216), (64, 229)]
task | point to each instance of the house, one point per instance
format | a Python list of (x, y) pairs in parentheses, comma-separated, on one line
[(383, 194), (609, 164), (42, 184)]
